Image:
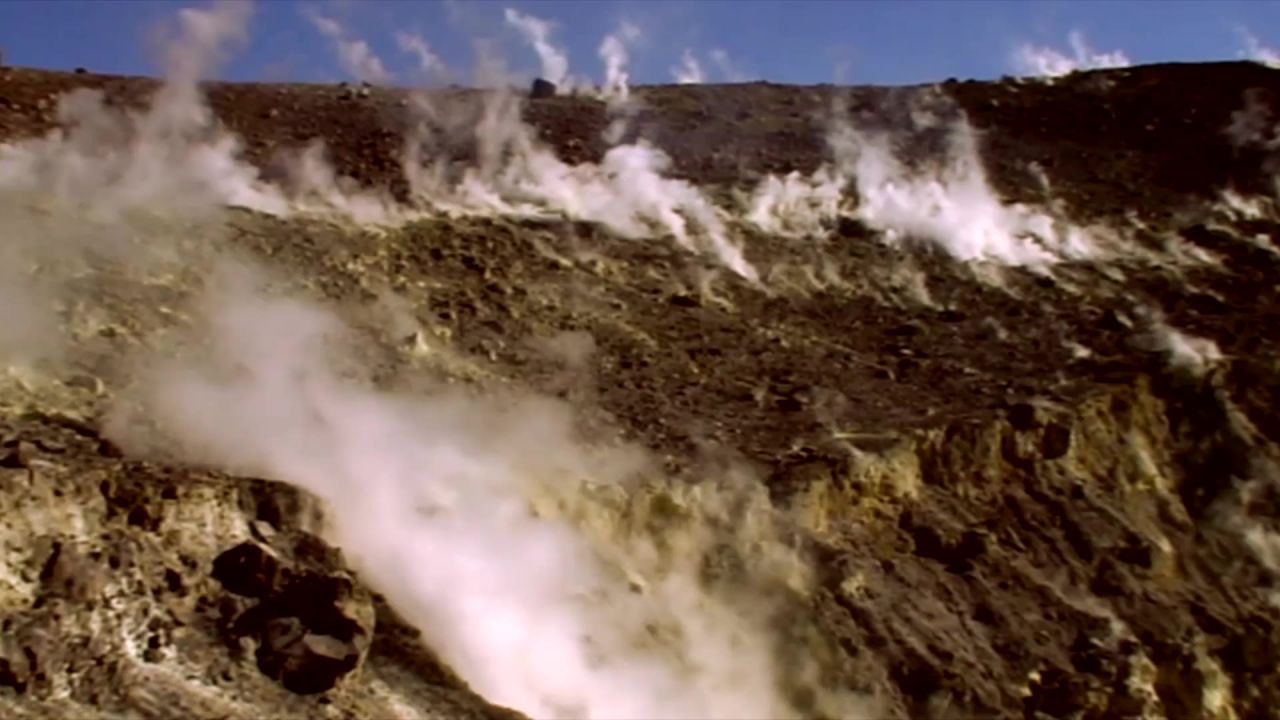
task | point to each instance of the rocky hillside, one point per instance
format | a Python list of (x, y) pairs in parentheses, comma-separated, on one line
[(880, 481)]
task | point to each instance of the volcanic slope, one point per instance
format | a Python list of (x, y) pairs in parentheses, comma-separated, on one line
[(1014, 493)]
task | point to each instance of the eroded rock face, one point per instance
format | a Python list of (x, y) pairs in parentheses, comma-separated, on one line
[(310, 623), (1093, 556)]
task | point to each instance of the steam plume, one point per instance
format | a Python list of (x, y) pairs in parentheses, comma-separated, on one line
[(1045, 61), (689, 72), (517, 174), (355, 56), (617, 90), (106, 161), (429, 63), (537, 32), (954, 206), (947, 202), (728, 69), (1255, 50), (613, 52)]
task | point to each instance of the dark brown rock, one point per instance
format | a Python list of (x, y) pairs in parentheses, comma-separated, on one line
[(249, 569), (16, 664), (311, 623), (542, 89), (19, 455), (304, 662)]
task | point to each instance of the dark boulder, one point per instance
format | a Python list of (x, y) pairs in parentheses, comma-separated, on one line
[(312, 625), (305, 662), (248, 569), (542, 89)]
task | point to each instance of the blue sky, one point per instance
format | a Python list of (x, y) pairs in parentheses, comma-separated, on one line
[(790, 41)]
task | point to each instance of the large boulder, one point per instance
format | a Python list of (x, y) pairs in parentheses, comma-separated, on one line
[(542, 89), (311, 624)]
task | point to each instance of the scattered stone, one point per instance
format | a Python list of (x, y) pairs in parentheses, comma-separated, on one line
[(107, 448), (685, 300), (907, 329), (249, 569), (84, 381), (306, 663), (15, 664), (262, 530), (1056, 441), (1024, 416), (51, 445), (20, 455)]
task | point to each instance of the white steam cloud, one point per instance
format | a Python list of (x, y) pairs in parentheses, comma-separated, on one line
[(429, 63), (1048, 62), (205, 37), (614, 54), (948, 202), (1189, 353), (107, 162), (727, 67), (616, 91), (172, 151), (796, 205), (626, 192), (354, 55), (1254, 49), (689, 71), (953, 206), (1184, 352), (537, 33), (104, 162)]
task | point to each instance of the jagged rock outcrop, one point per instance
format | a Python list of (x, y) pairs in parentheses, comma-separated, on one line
[(1099, 553), (311, 625), (112, 597)]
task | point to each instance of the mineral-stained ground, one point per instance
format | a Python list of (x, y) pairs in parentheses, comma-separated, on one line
[(1020, 497)]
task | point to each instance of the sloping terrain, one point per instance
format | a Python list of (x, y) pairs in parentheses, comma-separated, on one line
[(984, 490)]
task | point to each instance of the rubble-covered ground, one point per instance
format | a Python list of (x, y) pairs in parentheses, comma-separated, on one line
[(1019, 494)]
